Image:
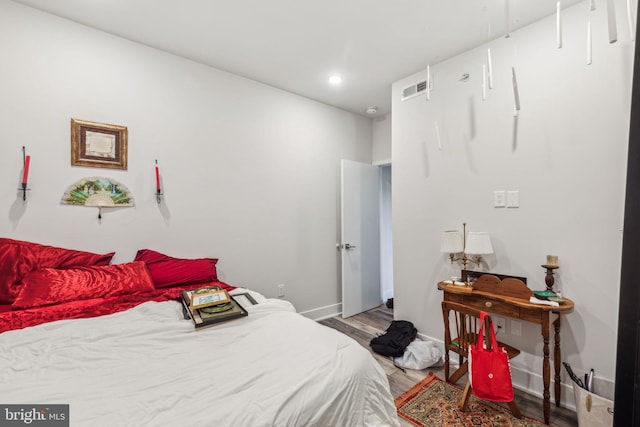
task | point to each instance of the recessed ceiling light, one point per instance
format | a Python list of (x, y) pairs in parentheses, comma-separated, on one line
[(372, 110), (335, 80)]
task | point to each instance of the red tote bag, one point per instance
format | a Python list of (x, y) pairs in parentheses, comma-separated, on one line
[(490, 374)]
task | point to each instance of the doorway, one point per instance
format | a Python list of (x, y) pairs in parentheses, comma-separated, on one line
[(386, 234), (366, 236)]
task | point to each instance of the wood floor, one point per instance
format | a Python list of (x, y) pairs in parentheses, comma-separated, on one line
[(363, 327)]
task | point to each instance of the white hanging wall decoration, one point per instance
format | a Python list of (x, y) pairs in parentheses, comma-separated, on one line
[(507, 17), (484, 81), (516, 94), (558, 26), (589, 42), (489, 69), (630, 20), (611, 18), (428, 82)]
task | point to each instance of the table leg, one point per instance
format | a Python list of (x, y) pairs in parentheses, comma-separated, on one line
[(546, 369), (557, 359), (447, 339), (446, 364)]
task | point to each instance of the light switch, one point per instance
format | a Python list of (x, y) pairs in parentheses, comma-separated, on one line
[(499, 199), (513, 199)]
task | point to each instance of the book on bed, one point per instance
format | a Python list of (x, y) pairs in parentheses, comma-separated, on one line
[(222, 310)]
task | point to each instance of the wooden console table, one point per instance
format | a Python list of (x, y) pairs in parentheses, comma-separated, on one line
[(510, 298)]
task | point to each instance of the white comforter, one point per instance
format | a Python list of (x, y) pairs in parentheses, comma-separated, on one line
[(147, 366)]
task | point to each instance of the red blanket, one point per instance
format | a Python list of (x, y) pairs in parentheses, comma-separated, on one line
[(19, 319)]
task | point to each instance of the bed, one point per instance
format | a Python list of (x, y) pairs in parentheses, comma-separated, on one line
[(141, 363)]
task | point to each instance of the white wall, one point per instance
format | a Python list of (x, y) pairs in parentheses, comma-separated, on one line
[(381, 140), (566, 154), (250, 172)]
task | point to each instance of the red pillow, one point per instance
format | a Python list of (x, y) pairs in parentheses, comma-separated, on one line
[(168, 271), (19, 258), (51, 286)]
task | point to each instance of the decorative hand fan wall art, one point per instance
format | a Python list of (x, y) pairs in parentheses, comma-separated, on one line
[(98, 192)]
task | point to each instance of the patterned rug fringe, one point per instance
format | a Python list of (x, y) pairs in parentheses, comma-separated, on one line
[(433, 402)]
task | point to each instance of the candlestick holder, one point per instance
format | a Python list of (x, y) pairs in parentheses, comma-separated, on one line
[(24, 190), (159, 195), (25, 173), (549, 279)]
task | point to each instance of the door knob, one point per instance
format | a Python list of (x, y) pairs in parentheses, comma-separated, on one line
[(348, 246)]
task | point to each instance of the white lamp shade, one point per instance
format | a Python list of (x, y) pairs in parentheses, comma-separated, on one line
[(478, 243), (451, 242)]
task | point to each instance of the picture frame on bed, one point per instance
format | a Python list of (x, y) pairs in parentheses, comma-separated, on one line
[(98, 145), (209, 316), (209, 298), (245, 299)]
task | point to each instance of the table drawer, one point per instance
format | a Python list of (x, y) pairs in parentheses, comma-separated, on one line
[(486, 304)]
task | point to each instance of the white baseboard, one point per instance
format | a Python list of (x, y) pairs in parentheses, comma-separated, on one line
[(322, 313)]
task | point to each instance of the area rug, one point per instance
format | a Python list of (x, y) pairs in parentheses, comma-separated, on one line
[(433, 402)]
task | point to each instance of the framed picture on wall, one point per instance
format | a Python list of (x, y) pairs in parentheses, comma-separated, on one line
[(98, 145)]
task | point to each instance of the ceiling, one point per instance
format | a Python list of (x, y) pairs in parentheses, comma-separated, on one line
[(296, 45)]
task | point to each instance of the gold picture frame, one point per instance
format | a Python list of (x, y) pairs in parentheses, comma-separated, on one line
[(98, 145), (208, 298)]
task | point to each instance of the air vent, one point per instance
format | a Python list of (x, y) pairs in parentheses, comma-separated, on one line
[(414, 90)]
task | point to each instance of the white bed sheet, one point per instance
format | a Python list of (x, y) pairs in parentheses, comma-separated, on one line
[(147, 366)]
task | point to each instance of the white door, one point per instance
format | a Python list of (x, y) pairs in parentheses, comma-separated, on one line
[(360, 245)]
